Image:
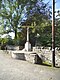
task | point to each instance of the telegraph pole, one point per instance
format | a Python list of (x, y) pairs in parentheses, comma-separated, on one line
[(53, 33)]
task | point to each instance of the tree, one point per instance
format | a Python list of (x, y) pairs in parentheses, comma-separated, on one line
[(16, 12), (57, 29), (11, 14)]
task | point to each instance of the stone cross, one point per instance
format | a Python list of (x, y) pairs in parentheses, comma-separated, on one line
[(27, 34)]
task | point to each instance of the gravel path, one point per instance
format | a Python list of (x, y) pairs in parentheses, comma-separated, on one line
[(11, 69)]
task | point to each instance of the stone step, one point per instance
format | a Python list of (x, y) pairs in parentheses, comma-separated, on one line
[(23, 55)]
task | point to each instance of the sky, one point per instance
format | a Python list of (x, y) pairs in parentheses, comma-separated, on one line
[(57, 3), (57, 6)]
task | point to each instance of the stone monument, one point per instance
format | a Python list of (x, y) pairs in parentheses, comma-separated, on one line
[(27, 44)]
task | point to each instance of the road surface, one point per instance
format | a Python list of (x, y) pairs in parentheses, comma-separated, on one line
[(12, 69)]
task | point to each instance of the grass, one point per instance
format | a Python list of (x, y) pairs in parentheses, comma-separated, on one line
[(46, 63)]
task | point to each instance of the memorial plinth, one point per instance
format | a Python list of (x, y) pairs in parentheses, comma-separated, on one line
[(27, 44), (24, 55)]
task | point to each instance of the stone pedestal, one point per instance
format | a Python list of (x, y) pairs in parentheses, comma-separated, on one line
[(24, 55), (32, 57), (27, 46)]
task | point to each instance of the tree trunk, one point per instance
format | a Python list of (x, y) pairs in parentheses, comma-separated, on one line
[(15, 36), (15, 33)]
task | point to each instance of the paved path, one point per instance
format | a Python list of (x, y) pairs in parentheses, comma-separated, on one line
[(11, 69)]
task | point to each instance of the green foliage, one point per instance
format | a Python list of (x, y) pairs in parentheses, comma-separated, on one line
[(57, 29), (11, 15), (11, 12), (6, 40), (44, 29)]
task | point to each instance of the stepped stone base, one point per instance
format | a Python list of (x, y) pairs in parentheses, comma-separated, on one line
[(28, 56)]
